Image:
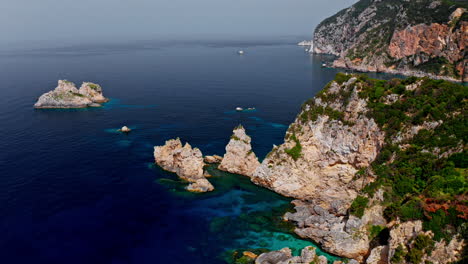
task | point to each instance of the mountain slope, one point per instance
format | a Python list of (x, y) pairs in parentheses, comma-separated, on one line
[(378, 168), (417, 37)]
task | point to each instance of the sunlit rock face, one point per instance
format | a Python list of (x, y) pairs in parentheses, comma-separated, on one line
[(185, 161), (331, 151), (421, 37), (239, 157), (66, 95)]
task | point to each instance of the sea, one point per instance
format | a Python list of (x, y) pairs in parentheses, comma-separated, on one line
[(75, 190)]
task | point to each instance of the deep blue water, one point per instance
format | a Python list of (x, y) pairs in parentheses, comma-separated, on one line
[(72, 190)]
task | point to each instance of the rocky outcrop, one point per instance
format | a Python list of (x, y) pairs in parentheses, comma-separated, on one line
[(339, 235), (331, 150), (93, 92), (213, 159), (66, 95), (408, 37), (125, 129), (378, 255), (239, 157), (185, 161), (403, 237), (284, 256)]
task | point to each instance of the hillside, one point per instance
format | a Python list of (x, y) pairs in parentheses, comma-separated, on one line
[(417, 37), (378, 169)]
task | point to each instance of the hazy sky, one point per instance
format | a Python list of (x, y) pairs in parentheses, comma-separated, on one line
[(66, 21)]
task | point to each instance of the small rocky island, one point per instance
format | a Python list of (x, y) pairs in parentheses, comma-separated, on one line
[(66, 95)]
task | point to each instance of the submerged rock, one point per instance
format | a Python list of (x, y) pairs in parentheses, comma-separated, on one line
[(185, 161), (66, 95), (239, 157)]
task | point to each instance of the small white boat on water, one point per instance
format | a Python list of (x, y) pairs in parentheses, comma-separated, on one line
[(240, 52), (239, 109)]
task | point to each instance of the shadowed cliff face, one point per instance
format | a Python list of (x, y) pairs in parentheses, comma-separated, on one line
[(418, 37)]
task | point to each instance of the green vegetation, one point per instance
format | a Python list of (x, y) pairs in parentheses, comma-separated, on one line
[(94, 86), (78, 94), (420, 183), (358, 206), (374, 230), (295, 152)]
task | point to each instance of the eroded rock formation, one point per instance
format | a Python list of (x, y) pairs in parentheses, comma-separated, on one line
[(185, 161), (239, 157), (66, 95)]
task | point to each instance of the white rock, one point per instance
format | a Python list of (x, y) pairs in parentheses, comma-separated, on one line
[(239, 157)]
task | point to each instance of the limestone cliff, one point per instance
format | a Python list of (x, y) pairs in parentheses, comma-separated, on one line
[(66, 95), (364, 160), (324, 148), (418, 37), (185, 161), (239, 157)]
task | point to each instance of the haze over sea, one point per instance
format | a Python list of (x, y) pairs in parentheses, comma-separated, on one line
[(72, 190)]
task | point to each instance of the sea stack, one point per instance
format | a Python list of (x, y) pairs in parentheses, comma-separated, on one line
[(185, 161), (66, 95), (239, 157)]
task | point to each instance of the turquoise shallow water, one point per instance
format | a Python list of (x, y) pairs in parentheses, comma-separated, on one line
[(74, 190)]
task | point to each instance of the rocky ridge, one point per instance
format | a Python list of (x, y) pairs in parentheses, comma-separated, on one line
[(66, 95), (420, 37)]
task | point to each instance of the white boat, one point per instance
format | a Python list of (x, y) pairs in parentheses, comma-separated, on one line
[(240, 52), (239, 109)]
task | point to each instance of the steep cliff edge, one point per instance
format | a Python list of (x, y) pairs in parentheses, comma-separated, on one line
[(418, 37), (367, 157)]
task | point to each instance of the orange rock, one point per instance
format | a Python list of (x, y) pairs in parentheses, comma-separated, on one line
[(250, 254)]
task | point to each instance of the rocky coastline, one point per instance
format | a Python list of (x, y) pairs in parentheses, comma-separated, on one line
[(420, 38), (327, 163), (66, 95)]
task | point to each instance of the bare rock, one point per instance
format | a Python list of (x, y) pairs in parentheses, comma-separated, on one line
[(200, 185), (125, 129), (274, 257), (239, 157), (66, 95), (378, 255), (213, 159), (93, 92), (185, 161), (283, 256), (330, 155)]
